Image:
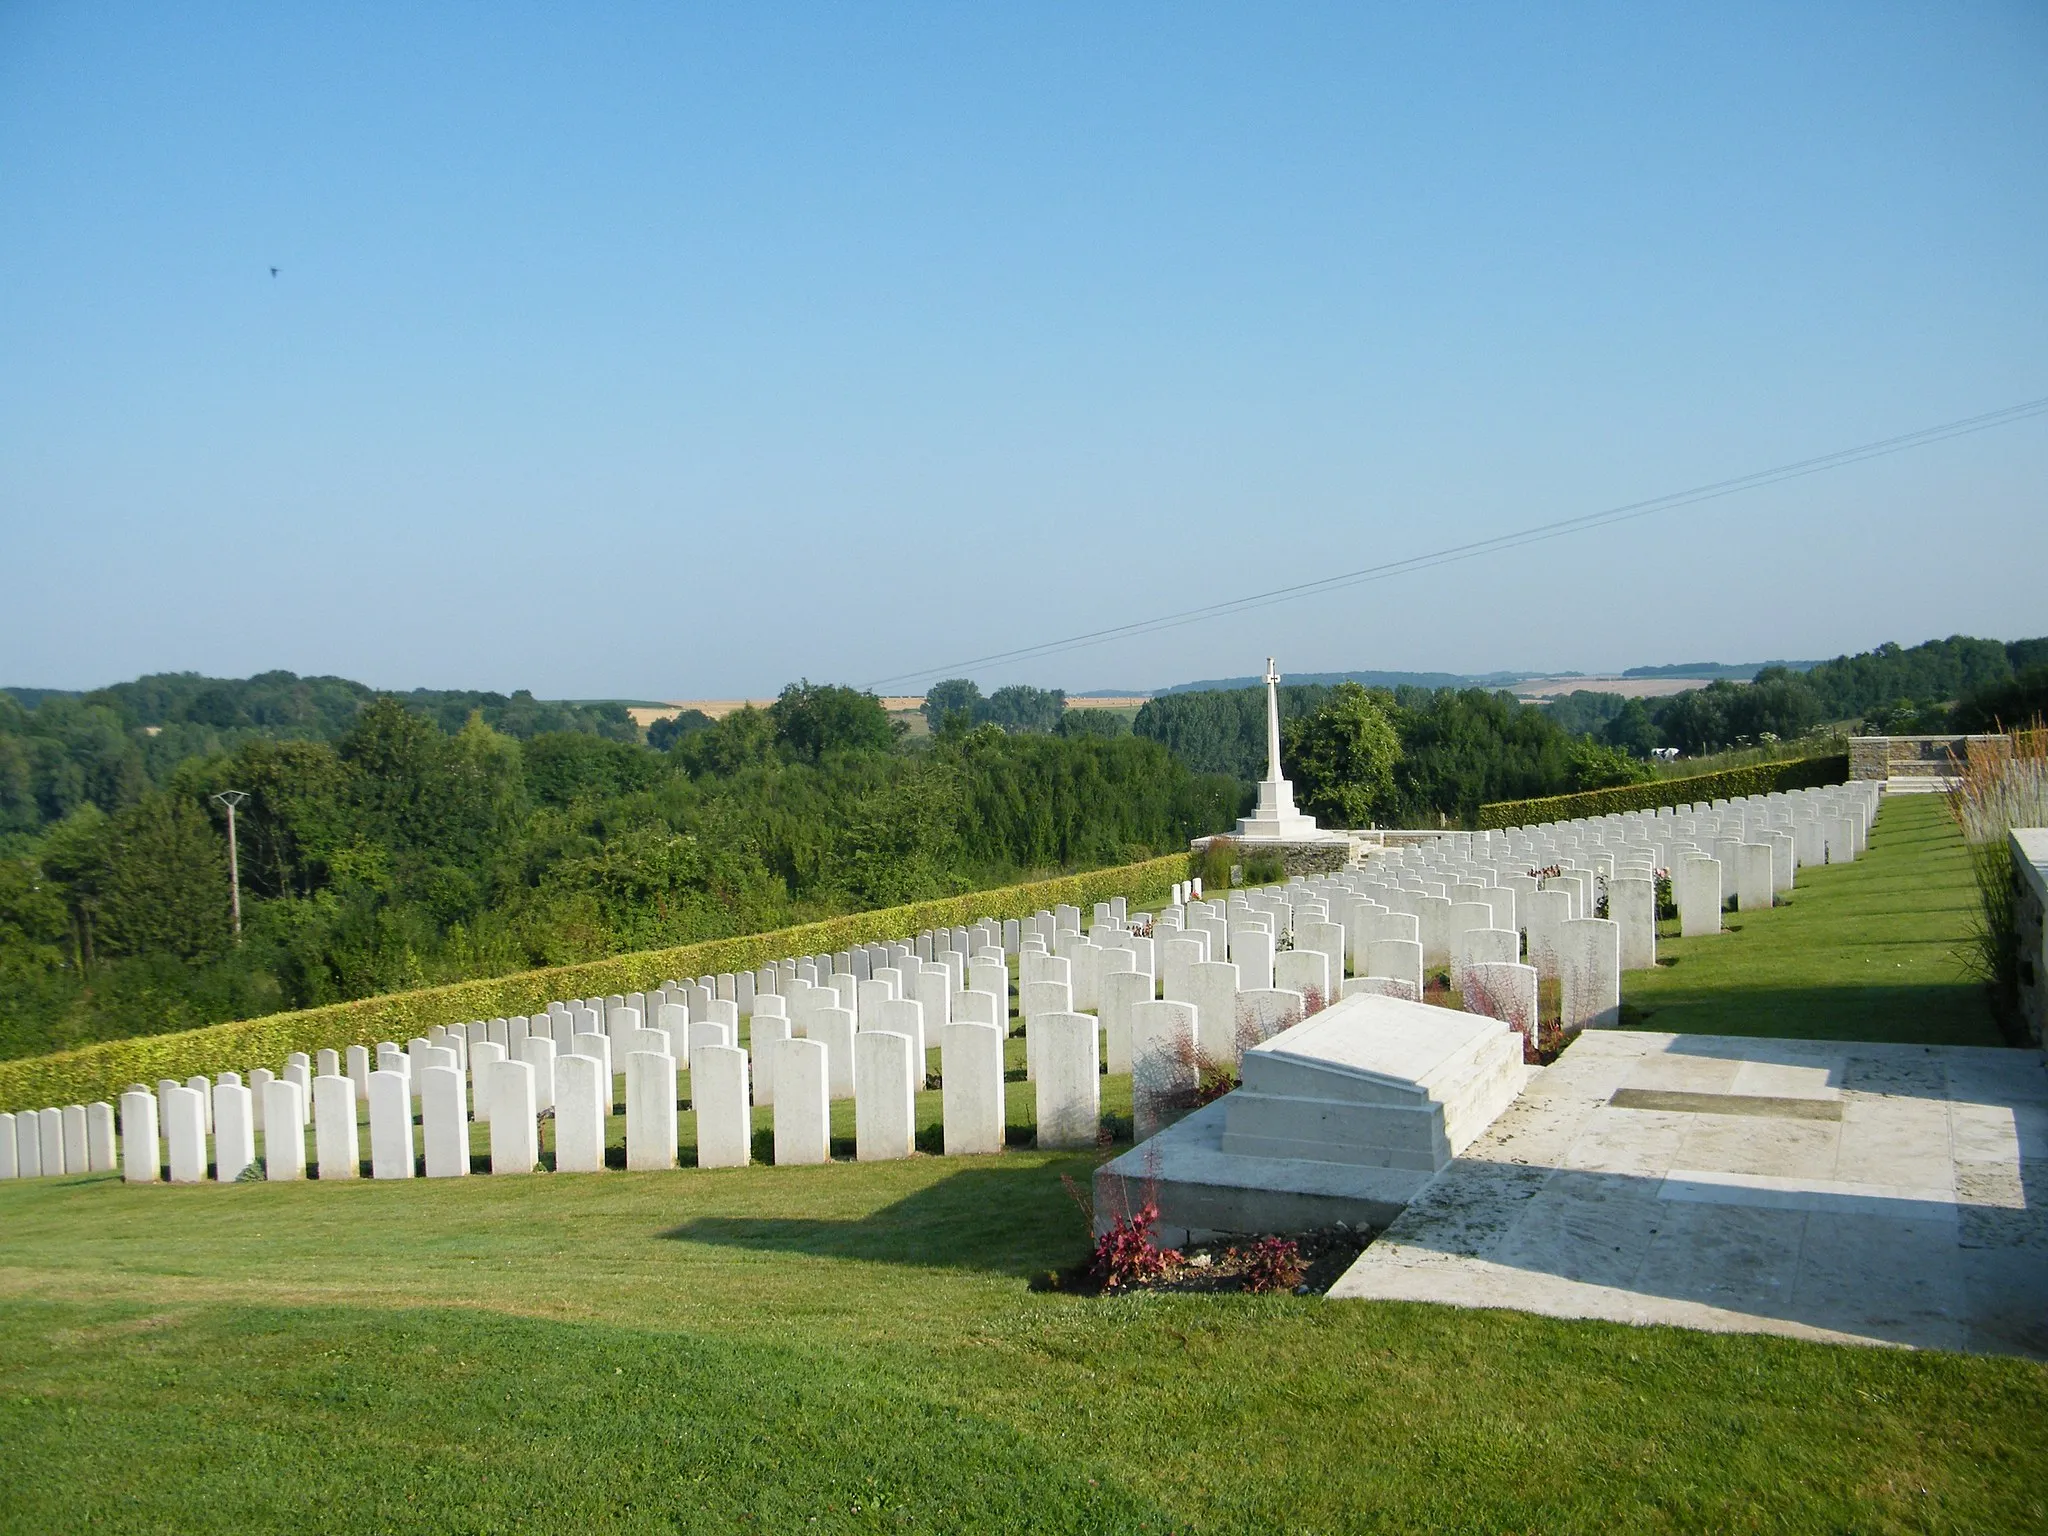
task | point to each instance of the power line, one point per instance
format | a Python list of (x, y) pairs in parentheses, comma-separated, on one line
[(1541, 532)]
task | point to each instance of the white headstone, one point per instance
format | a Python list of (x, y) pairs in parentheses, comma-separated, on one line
[(138, 1138), (582, 1102), (971, 1069), (515, 1127), (391, 1143), (1069, 1085), (444, 1120), (284, 1140), (651, 1120), (99, 1136), (803, 1113), (184, 1136), (334, 1126), (718, 1094), (884, 1106), (1164, 1065)]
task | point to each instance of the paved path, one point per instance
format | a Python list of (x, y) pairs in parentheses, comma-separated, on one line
[(1891, 1194)]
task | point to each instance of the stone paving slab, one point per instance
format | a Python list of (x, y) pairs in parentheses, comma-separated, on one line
[(1858, 1193)]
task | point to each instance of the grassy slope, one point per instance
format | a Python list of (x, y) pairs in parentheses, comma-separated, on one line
[(856, 1348), (1864, 951)]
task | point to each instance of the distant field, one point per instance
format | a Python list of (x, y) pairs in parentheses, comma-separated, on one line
[(1537, 688)]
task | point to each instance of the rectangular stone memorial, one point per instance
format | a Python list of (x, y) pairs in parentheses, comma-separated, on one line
[(1697, 883), (725, 1120), (1306, 971), (803, 1113), (884, 1108), (1164, 1065), (1069, 1083), (99, 1137), (515, 1125), (73, 1117), (971, 1070), (184, 1136), (444, 1121), (138, 1139), (284, 1139), (651, 1122), (391, 1140), (582, 1102), (834, 1029), (336, 1150), (1589, 965), (763, 1032)]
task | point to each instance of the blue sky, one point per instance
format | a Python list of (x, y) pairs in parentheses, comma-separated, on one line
[(680, 351)]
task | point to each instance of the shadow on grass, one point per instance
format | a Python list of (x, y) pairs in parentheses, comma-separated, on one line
[(1007, 1219), (1935, 1014)]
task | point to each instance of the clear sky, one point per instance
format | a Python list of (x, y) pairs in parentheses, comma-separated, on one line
[(666, 351)]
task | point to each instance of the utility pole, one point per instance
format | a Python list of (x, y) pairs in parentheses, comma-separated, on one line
[(232, 798)]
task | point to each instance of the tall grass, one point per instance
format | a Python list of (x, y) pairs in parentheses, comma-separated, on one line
[(1822, 743), (1996, 792)]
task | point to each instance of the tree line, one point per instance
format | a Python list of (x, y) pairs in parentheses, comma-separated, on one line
[(398, 852)]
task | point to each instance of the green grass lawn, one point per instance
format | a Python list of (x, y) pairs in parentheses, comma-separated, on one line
[(858, 1348), (1866, 951)]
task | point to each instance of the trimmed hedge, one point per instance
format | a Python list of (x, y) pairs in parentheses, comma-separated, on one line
[(102, 1070), (1731, 784)]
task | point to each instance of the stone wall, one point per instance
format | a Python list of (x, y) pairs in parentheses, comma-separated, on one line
[(2030, 916), (1318, 858), (1928, 758)]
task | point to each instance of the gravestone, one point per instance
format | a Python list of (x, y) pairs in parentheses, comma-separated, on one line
[(444, 1122), (718, 1094), (284, 1140), (582, 1103), (335, 1146), (803, 1112), (515, 1129), (971, 1069), (884, 1109), (651, 1123), (138, 1139), (1069, 1084), (391, 1142)]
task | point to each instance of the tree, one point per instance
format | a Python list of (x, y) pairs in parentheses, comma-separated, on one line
[(1594, 766), (1342, 758), (166, 884), (1022, 708), (812, 719), (1631, 730), (664, 734), (955, 696), (743, 739), (1093, 722)]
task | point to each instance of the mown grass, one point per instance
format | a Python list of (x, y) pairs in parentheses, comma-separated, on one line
[(1872, 950), (856, 1348)]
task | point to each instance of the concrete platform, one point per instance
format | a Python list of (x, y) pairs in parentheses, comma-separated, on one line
[(1877, 1194), (1345, 1117)]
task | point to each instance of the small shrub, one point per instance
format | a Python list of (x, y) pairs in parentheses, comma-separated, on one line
[(1213, 863), (1264, 868), (1272, 1264), (1126, 1255)]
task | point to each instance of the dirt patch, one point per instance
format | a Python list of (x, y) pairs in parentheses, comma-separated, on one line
[(1232, 1264)]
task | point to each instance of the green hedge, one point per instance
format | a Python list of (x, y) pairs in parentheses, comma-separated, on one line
[(1733, 784), (101, 1071)]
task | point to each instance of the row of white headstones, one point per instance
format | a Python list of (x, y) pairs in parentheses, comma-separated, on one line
[(1156, 996)]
